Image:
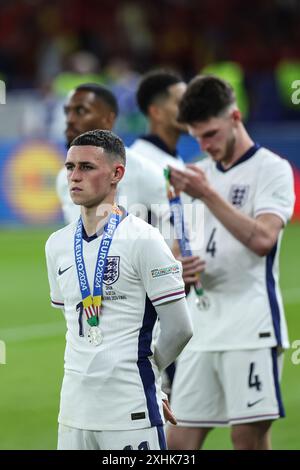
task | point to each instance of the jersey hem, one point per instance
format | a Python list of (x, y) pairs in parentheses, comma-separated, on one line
[(168, 297), (108, 427), (240, 347), (57, 304), (267, 210)]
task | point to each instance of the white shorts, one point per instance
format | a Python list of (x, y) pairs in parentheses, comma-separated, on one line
[(137, 439), (226, 388)]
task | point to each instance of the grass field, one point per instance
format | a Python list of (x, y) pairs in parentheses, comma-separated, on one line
[(34, 336)]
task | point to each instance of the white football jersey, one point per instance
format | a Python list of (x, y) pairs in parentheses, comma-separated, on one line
[(115, 385), (140, 191), (246, 309), (155, 154), (161, 159)]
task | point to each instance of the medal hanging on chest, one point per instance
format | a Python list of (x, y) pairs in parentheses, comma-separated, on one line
[(176, 208), (92, 304)]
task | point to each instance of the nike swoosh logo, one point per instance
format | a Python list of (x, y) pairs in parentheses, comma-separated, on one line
[(254, 403), (61, 271)]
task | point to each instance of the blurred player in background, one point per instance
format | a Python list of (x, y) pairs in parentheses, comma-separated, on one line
[(229, 373), (111, 396), (158, 97), (92, 106)]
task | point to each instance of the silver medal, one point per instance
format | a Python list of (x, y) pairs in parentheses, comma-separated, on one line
[(95, 336), (203, 302)]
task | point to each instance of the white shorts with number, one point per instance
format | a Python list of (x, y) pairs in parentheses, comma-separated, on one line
[(137, 439), (226, 388)]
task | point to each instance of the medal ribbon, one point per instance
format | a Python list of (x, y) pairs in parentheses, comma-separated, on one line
[(176, 209), (92, 304)]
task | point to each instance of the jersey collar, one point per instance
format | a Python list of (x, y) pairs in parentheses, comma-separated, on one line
[(158, 142), (252, 150)]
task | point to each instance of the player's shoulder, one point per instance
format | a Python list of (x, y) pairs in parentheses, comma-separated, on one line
[(61, 236), (140, 162), (271, 161), (61, 175), (139, 228)]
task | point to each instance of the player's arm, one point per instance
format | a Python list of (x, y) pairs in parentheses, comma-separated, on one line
[(175, 331), (259, 234), (161, 275)]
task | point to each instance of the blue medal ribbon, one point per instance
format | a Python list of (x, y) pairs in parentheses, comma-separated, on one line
[(182, 236), (92, 304)]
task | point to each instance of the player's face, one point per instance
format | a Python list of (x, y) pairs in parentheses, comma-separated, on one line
[(216, 136), (84, 112), (91, 175), (170, 107)]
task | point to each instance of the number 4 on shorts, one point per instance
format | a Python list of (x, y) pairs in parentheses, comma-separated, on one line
[(253, 380)]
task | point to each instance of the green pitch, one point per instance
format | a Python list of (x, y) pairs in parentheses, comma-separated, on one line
[(34, 336)]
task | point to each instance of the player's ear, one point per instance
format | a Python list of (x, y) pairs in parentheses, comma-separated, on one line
[(110, 120), (236, 116), (119, 171), (154, 112)]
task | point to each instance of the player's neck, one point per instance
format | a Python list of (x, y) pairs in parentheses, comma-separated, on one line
[(168, 136), (242, 145), (94, 218)]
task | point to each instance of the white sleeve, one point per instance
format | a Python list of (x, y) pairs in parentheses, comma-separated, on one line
[(275, 190), (159, 271), (175, 331), (70, 210), (55, 293)]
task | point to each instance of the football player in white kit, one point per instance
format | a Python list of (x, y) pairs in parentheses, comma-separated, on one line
[(229, 373), (91, 106), (112, 273), (158, 97)]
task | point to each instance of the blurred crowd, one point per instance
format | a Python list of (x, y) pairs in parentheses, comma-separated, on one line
[(43, 44)]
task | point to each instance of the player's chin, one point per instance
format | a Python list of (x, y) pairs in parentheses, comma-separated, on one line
[(77, 198), (216, 156)]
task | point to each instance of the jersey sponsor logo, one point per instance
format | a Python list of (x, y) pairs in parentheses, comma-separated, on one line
[(250, 404), (112, 270), (140, 415), (239, 194), (61, 271), (173, 269), (265, 334)]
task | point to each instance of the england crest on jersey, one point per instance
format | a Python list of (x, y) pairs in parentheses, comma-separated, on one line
[(112, 270), (239, 194)]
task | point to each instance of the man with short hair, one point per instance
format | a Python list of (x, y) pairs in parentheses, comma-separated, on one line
[(112, 273), (158, 96), (91, 106), (229, 373)]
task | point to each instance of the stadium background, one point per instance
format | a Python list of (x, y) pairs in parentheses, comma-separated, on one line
[(47, 47)]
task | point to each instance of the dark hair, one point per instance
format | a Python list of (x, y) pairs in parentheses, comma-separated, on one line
[(206, 96), (102, 93), (155, 85), (111, 144)]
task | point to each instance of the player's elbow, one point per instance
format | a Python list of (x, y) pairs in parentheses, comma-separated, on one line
[(185, 334), (264, 246)]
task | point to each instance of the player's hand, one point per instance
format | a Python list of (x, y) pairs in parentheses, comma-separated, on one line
[(192, 181), (168, 413), (191, 266)]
